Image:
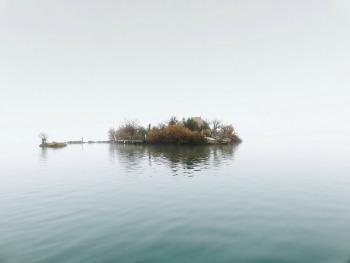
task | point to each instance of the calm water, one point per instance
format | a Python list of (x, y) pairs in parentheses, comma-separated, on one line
[(255, 202)]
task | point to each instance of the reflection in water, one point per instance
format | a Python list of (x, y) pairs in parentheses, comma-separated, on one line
[(129, 155), (43, 154), (181, 159)]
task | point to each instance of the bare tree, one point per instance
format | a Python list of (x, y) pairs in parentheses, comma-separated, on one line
[(132, 123), (227, 131), (129, 130), (112, 134), (43, 136), (173, 121), (161, 126), (216, 125)]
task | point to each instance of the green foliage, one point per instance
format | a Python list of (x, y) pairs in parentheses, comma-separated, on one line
[(192, 125), (205, 126)]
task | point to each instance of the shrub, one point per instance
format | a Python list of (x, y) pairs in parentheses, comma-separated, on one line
[(175, 134), (130, 130)]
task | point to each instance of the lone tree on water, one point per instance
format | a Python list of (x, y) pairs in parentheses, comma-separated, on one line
[(43, 136)]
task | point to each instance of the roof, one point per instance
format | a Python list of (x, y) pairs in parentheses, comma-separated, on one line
[(198, 120)]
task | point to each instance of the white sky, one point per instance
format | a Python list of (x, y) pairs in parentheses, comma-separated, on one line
[(74, 68)]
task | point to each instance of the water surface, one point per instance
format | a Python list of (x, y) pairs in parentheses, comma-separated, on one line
[(255, 202)]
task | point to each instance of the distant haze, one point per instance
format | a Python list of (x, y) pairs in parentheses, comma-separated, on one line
[(271, 68)]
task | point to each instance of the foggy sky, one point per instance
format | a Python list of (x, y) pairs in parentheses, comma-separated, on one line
[(76, 68)]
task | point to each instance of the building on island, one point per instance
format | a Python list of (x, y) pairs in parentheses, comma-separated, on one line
[(198, 121)]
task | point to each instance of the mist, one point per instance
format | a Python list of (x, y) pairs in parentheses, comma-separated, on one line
[(75, 69)]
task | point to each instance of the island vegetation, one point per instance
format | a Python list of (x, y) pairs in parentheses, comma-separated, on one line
[(43, 136), (192, 130)]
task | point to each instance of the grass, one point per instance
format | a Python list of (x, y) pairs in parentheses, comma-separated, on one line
[(53, 144)]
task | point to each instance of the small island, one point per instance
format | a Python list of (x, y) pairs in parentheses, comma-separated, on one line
[(44, 143), (190, 131)]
